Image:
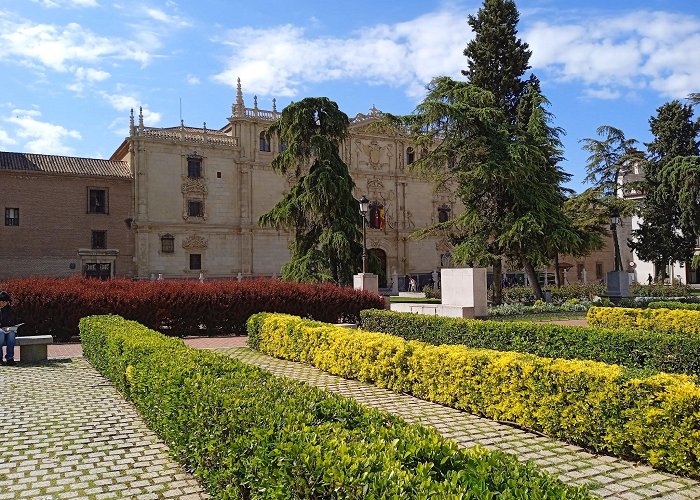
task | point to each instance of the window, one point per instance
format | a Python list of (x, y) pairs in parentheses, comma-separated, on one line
[(599, 270), (579, 270), (12, 216), (195, 208), (99, 240), (410, 156), (167, 243), (264, 144), (218, 175), (195, 261), (97, 201), (282, 146), (443, 213), (194, 166)]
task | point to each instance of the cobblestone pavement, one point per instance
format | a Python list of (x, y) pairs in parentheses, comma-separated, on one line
[(68, 433), (608, 477)]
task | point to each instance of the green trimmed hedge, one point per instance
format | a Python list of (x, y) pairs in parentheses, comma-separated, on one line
[(656, 418), (667, 321), (692, 306), (632, 348), (248, 434)]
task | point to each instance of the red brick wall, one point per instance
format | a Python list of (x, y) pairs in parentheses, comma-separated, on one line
[(54, 223)]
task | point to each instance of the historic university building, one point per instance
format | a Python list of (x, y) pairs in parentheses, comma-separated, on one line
[(183, 202)]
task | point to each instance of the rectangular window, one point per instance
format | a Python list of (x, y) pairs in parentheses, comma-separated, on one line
[(167, 244), (97, 201), (12, 216), (194, 167), (195, 261), (99, 240), (195, 208), (599, 270)]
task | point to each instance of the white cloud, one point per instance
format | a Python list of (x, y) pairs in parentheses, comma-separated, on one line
[(39, 136), (125, 103), (67, 3), (60, 47), (613, 55), (163, 17), (192, 80), (278, 60), (84, 77), (6, 140)]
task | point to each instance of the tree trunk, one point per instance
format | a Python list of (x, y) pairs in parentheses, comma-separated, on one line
[(497, 284), (532, 276), (557, 271)]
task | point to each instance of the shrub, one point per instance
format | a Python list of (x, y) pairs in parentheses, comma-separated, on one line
[(178, 307), (692, 306), (655, 418), (681, 321), (524, 294), (247, 434), (539, 307), (633, 348), (660, 290)]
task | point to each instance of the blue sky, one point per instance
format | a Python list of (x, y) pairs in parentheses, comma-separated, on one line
[(72, 69)]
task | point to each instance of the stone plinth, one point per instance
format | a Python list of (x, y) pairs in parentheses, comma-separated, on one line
[(465, 287), (618, 285), (366, 281)]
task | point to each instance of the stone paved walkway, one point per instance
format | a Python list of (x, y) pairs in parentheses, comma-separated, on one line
[(67, 433), (609, 477)]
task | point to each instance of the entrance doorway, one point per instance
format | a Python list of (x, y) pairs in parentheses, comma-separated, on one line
[(377, 264)]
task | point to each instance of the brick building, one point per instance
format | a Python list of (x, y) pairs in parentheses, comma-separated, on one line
[(64, 216)]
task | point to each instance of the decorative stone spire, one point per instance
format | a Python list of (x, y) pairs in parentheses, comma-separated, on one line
[(140, 118), (205, 127), (274, 106), (239, 108), (255, 102), (132, 129)]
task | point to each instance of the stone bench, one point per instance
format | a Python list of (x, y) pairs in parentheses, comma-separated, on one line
[(33, 348)]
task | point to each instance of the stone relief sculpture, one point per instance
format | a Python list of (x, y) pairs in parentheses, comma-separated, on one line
[(194, 185), (194, 241)]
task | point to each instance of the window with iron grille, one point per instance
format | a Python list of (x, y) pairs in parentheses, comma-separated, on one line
[(99, 240), (12, 216), (264, 143), (195, 208), (97, 201), (195, 261), (194, 166), (167, 243)]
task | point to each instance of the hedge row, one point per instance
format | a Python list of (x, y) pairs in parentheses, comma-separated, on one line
[(633, 348), (178, 308), (656, 418), (693, 306), (681, 321), (248, 434)]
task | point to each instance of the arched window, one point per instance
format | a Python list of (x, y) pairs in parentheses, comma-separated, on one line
[(281, 146), (410, 155), (167, 243), (264, 144)]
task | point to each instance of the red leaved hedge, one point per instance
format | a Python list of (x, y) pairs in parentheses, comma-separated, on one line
[(178, 307)]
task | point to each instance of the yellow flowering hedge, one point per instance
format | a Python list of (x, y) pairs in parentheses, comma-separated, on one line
[(602, 406), (658, 320)]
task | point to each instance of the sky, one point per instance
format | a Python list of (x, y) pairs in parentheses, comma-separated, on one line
[(71, 70)]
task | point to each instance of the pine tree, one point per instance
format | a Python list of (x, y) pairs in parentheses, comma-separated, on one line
[(497, 58), (319, 207)]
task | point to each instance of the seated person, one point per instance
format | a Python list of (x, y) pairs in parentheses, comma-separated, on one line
[(7, 319)]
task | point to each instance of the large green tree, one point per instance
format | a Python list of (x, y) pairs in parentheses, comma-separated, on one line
[(497, 58), (319, 208), (611, 155), (665, 233)]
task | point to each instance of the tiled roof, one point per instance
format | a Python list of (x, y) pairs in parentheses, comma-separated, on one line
[(64, 165)]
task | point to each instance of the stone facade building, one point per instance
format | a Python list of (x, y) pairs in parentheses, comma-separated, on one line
[(198, 194), (64, 216)]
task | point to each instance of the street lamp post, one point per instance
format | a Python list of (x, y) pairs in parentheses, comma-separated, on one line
[(614, 221), (364, 208)]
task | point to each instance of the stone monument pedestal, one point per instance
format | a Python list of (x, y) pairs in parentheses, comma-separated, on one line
[(366, 281), (618, 285)]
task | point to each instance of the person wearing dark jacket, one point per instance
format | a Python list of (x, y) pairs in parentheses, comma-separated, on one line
[(7, 319)]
